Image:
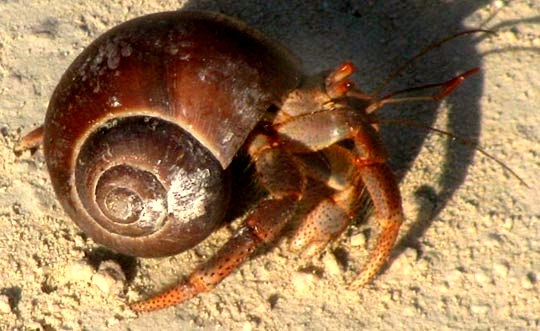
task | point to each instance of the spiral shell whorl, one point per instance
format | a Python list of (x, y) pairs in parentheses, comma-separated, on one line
[(141, 177)]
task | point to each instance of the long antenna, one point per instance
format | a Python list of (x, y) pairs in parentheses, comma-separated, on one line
[(461, 140), (447, 88), (437, 44)]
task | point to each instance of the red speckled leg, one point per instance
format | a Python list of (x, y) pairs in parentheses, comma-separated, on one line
[(320, 130), (332, 215), (383, 188), (31, 140), (323, 224), (262, 226)]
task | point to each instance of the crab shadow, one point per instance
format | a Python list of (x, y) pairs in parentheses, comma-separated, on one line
[(378, 37)]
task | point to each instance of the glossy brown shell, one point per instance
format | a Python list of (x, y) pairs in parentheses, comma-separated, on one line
[(210, 75)]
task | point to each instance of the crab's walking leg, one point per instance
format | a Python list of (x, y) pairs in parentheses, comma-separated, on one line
[(31, 141), (333, 214), (262, 226), (383, 189), (323, 129)]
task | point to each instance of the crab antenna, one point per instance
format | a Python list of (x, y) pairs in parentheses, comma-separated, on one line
[(459, 139), (447, 88), (437, 44)]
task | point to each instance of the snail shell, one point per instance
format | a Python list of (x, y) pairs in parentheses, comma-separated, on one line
[(143, 125)]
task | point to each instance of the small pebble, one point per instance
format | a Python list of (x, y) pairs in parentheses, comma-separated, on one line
[(405, 262), (104, 283), (79, 241), (482, 279), (331, 266), (247, 326), (303, 282), (454, 277), (479, 309), (5, 131), (408, 311), (5, 308), (358, 240), (79, 271), (112, 321), (500, 270), (109, 278), (527, 283)]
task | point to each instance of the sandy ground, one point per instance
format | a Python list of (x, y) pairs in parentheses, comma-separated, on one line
[(469, 254)]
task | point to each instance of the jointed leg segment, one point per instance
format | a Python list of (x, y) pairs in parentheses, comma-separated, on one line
[(262, 226), (333, 215)]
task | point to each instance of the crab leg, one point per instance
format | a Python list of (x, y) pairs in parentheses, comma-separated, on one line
[(262, 226), (383, 189), (325, 222), (333, 214), (31, 141), (322, 129)]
